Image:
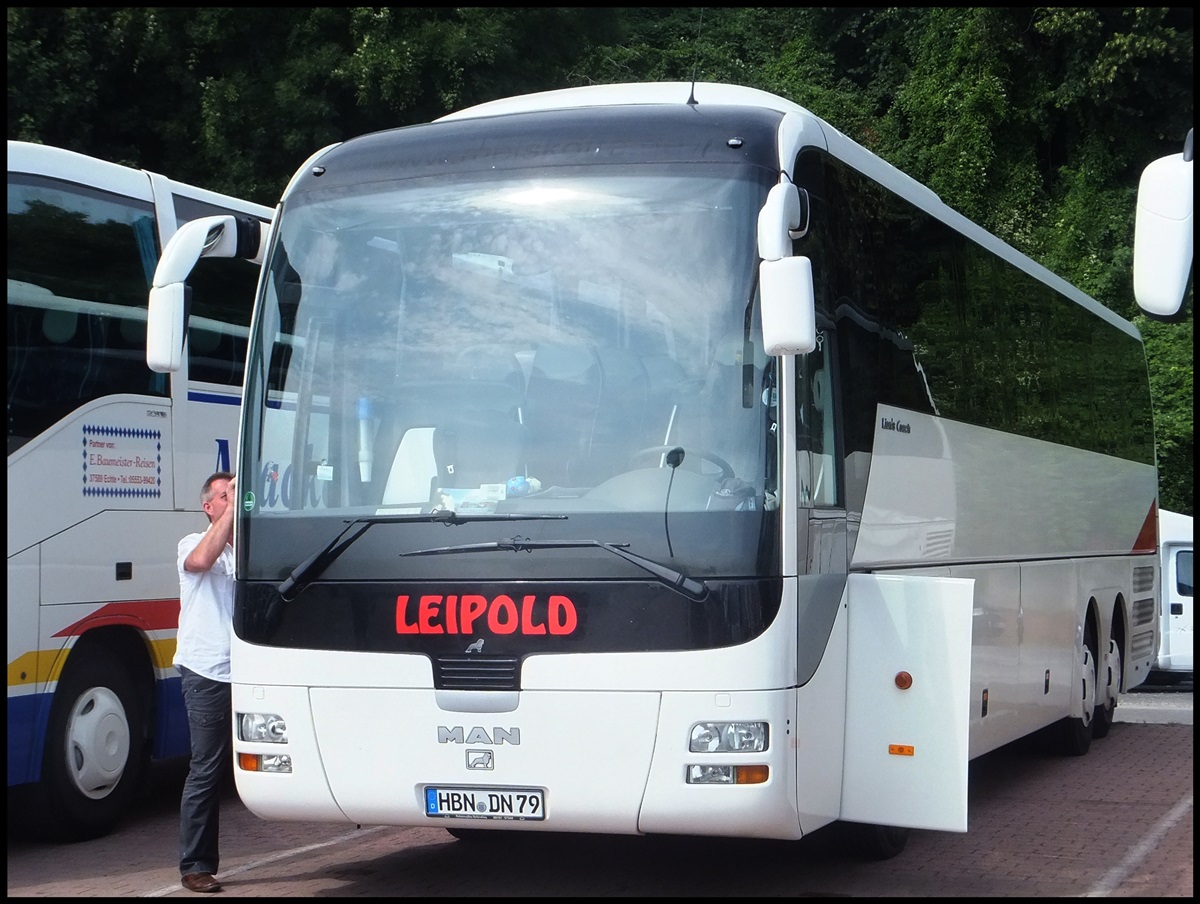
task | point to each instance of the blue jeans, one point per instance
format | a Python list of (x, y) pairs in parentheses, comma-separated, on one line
[(210, 723)]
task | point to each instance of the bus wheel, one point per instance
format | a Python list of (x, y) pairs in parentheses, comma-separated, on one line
[(1108, 691), (1075, 734), (871, 842), (95, 754)]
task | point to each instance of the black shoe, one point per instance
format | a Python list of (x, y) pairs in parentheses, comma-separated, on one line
[(201, 882)]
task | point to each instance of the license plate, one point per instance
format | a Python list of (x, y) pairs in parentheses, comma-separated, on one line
[(464, 802)]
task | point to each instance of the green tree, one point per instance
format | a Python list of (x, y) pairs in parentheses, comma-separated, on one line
[(1034, 121)]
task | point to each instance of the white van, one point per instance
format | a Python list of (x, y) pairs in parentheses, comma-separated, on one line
[(1175, 545)]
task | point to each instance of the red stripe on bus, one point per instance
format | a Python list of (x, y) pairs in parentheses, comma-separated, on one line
[(149, 615), (1147, 538)]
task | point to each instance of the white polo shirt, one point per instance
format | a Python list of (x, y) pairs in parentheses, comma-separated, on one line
[(205, 613)]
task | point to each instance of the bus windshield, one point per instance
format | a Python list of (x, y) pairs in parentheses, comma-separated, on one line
[(554, 341)]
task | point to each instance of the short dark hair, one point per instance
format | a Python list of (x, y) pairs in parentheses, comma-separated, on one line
[(206, 492)]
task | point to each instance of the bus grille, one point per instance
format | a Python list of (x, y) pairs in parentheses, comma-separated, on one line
[(938, 544), (477, 673), (1143, 579), (1142, 646), (1143, 611)]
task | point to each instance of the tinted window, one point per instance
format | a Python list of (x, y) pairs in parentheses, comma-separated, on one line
[(929, 321), (222, 299), (79, 268)]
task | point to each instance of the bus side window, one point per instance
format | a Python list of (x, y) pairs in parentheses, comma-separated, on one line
[(824, 478), (220, 320), (77, 279), (70, 353), (59, 326), (816, 445)]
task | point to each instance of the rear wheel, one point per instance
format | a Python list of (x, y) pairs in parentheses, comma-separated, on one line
[(1108, 692), (95, 752), (1074, 735)]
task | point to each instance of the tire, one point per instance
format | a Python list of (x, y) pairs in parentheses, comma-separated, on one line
[(1074, 735), (96, 753), (872, 842), (1108, 691)]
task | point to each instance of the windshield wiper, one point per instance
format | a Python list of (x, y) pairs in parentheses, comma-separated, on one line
[(676, 580), (310, 569)]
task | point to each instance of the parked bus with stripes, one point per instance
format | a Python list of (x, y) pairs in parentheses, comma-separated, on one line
[(663, 461), (105, 462)]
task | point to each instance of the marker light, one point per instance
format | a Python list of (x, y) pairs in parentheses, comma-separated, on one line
[(265, 728)]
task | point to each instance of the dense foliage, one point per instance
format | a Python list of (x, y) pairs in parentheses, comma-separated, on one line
[(1034, 121)]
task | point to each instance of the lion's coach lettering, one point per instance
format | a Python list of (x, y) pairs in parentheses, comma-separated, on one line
[(435, 613)]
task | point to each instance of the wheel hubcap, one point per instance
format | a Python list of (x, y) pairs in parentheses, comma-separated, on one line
[(1112, 672), (97, 742), (1089, 685)]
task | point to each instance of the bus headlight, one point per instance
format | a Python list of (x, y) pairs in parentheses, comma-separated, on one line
[(266, 728), (728, 737)]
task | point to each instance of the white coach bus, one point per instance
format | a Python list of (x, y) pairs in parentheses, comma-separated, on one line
[(105, 463), (663, 461)]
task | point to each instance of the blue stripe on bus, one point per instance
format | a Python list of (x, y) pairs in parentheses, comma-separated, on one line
[(27, 716), (213, 398)]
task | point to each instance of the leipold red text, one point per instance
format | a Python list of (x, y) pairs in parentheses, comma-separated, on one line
[(472, 612)]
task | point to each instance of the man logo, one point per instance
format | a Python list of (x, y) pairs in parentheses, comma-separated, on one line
[(480, 759), (478, 735), (476, 647)]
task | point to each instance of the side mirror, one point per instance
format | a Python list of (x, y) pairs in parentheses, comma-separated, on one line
[(784, 217), (165, 326), (166, 317), (785, 283), (788, 301), (1162, 236)]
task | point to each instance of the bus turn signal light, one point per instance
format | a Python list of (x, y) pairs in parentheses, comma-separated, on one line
[(751, 775), (264, 762)]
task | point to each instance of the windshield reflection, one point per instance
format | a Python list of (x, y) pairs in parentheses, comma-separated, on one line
[(515, 345)]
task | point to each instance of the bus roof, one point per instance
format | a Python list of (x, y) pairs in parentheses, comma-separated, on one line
[(631, 93), (837, 143)]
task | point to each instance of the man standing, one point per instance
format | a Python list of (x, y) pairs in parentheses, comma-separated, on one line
[(202, 658)]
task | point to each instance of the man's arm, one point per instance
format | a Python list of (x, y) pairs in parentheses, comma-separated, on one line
[(213, 543)]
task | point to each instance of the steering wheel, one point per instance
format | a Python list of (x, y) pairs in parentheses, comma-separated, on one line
[(726, 468)]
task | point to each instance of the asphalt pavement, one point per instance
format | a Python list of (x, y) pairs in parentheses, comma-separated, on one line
[(1161, 701)]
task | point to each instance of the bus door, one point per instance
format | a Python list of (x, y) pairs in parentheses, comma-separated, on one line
[(1176, 650)]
